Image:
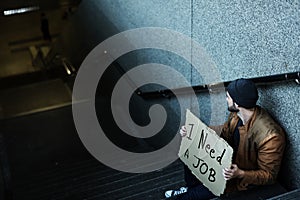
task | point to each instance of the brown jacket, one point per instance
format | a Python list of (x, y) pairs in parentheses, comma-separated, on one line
[(260, 151)]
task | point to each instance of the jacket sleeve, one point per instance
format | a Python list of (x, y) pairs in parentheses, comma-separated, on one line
[(270, 153)]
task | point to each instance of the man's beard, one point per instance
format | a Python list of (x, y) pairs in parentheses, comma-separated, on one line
[(233, 108)]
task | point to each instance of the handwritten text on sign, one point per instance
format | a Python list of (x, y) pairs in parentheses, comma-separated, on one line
[(205, 153)]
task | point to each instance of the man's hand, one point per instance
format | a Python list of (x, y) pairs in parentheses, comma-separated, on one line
[(182, 131), (233, 172)]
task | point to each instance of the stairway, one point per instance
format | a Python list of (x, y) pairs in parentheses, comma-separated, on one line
[(91, 180), (33, 97), (47, 159)]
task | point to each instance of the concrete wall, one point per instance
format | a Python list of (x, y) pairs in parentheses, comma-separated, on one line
[(238, 38)]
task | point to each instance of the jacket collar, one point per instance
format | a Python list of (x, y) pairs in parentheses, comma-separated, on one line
[(249, 124)]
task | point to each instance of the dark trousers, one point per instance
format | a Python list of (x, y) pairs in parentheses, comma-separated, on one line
[(196, 190)]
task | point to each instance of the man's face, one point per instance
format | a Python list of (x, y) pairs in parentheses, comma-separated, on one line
[(230, 103)]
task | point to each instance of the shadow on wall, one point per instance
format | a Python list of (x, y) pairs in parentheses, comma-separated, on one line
[(281, 100), (83, 33), (139, 114)]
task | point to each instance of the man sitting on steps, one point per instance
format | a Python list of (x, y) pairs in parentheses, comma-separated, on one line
[(258, 144)]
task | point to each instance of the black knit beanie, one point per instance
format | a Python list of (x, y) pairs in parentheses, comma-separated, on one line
[(243, 92)]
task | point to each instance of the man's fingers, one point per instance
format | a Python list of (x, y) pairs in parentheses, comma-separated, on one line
[(227, 173), (182, 131)]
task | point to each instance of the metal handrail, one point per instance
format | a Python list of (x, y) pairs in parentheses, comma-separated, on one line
[(214, 87), (69, 68)]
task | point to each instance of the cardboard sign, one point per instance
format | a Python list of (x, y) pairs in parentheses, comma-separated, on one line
[(205, 154)]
